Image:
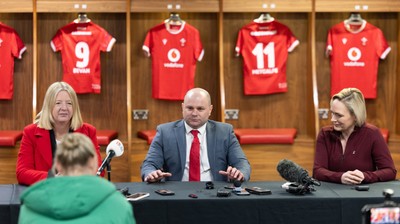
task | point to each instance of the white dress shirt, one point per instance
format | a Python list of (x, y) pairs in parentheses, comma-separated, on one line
[(205, 170)]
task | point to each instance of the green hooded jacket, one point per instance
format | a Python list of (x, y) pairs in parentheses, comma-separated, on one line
[(74, 199)]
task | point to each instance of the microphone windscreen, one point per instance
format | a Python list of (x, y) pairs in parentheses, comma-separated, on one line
[(117, 146), (290, 171)]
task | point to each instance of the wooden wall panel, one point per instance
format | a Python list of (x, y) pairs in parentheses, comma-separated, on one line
[(281, 110), (9, 6), (265, 158), (382, 110), (108, 109), (16, 113), (357, 5), (267, 6), (161, 111), (175, 5), (81, 6)]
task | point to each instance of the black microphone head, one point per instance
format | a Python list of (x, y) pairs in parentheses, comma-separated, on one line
[(237, 183), (290, 171)]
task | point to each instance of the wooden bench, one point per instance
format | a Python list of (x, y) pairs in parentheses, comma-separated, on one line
[(10, 137), (147, 135), (104, 137), (265, 135), (246, 136), (257, 136)]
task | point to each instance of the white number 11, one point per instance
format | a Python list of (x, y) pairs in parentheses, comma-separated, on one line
[(259, 52)]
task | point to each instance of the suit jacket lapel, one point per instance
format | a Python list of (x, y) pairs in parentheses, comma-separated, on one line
[(44, 145), (211, 146), (181, 140)]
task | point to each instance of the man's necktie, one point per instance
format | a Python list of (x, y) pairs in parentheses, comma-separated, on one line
[(194, 158)]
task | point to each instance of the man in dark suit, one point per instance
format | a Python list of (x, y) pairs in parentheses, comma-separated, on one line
[(221, 157)]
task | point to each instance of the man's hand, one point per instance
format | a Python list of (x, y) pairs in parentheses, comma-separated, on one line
[(352, 177), (232, 173), (156, 176)]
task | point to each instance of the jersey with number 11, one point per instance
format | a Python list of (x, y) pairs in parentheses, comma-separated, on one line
[(80, 45), (264, 47)]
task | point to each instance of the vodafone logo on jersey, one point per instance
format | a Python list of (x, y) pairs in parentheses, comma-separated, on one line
[(173, 56), (354, 54)]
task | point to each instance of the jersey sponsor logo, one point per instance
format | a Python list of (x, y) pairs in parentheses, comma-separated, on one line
[(164, 41), (282, 85), (354, 54), (96, 86), (173, 56)]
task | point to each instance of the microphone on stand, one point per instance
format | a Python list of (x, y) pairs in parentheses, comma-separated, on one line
[(292, 172), (114, 149)]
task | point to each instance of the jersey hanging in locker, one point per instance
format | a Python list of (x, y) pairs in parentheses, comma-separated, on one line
[(80, 45), (11, 46), (174, 49), (354, 57), (264, 47)]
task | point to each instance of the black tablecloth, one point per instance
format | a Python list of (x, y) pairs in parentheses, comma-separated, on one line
[(330, 203)]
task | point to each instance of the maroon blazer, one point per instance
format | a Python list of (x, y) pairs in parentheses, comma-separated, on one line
[(35, 155)]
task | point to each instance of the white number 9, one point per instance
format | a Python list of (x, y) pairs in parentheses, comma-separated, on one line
[(82, 52)]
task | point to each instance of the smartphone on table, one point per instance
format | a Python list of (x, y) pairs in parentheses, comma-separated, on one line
[(164, 192), (137, 196), (258, 190)]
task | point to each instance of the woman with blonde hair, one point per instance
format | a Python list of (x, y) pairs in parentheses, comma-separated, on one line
[(351, 151), (60, 115), (76, 194)]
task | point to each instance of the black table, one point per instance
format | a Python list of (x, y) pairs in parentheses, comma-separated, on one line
[(9, 203), (330, 203)]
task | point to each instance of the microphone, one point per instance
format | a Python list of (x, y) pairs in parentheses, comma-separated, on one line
[(237, 184), (114, 149), (292, 172)]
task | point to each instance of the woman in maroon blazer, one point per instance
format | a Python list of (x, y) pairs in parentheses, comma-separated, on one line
[(350, 151), (60, 115)]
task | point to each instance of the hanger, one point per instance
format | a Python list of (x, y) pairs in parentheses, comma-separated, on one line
[(174, 19), (355, 19), (355, 23), (264, 18), (82, 18)]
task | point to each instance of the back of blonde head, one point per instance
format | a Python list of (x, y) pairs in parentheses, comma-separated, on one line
[(75, 151)]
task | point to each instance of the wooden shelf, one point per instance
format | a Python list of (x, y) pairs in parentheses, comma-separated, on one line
[(267, 6), (10, 6), (175, 6), (81, 6), (357, 6)]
